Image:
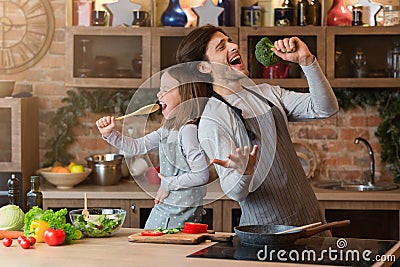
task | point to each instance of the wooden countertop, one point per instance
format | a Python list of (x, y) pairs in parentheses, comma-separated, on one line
[(117, 251), (129, 189)]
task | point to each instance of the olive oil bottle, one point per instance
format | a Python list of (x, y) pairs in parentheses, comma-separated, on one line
[(34, 197), (314, 13)]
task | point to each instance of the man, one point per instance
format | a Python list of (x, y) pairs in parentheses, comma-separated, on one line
[(271, 187)]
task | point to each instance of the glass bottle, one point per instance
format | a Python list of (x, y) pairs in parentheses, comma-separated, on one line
[(393, 61), (85, 69), (314, 13), (287, 4), (34, 197), (13, 190), (359, 63), (302, 7), (284, 16), (225, 17), (338, 14), (357, 15)]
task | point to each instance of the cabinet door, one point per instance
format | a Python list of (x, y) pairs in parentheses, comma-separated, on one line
[(141, 210), (369, 219), (283, 73), (231, 215), (374, 42), (72, 204), (107, 57), (165, 42)]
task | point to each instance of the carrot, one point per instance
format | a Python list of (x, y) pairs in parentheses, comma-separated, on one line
[(10, 234)]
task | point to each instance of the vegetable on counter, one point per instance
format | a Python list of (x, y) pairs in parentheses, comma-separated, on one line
[(10, 234), (194, 228), (55, 220), (98, 225), (264, 54), (11, 218), (160, 231), (37, 230), (54, 237)]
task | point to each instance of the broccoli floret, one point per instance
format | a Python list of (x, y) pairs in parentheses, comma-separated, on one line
[(264, 53)]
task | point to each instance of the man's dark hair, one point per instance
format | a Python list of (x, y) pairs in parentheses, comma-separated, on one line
[(194, 46)]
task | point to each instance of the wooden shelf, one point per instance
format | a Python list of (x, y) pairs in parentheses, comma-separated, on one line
[(158, 46)]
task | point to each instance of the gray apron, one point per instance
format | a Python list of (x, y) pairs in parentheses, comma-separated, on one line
[(285, 196), (280, 192), (184, 205)]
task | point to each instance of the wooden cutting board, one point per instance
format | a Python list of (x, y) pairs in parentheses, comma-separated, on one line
[(181, 238)]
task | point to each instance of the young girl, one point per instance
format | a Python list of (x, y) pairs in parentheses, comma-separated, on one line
[(183, 165)]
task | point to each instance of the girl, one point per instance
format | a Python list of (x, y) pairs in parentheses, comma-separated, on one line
[(183, 165)]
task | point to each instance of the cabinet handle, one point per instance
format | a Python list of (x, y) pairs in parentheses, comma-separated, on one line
[(133, 207)]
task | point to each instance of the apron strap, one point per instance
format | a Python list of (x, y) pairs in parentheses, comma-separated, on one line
[(259, 96), (237, 111)]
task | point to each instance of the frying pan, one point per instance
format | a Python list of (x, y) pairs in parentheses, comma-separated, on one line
[(260, 235)]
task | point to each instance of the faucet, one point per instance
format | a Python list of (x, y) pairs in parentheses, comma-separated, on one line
[(371, 179)]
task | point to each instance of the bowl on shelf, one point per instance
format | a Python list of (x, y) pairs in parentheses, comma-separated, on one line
[(101, 222), (64, 180), (6, 87)]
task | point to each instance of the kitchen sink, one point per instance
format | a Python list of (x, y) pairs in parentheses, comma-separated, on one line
[(359, 187)]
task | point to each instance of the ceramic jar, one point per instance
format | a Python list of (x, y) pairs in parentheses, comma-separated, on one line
[(174, 15), (338, 14)]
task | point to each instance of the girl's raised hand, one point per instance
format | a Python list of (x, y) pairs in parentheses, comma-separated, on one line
[(243, 162), (106, 125)]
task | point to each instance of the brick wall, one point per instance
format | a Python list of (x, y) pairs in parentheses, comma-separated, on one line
[(332, 139)]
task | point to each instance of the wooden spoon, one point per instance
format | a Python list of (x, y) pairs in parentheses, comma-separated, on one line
[(85, 211), (141, 111), (299, 228)]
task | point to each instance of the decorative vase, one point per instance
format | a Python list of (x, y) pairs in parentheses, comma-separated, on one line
[(338, 14), (174, 15)]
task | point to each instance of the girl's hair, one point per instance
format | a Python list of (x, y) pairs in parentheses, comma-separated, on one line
[(194, 96), (194, 46)]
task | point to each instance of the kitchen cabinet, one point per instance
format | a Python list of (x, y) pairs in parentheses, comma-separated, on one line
[(373, 214), (107, 57), (141, 210), (342, 44), (165, 42), (19, 143), (126, 195), (154, 48)]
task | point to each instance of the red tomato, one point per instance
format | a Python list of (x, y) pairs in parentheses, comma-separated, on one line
[(7, 242), (151, 233), (25, 243), (54, 237), (32, 240)]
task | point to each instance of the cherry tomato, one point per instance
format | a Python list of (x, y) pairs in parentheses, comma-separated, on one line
[(7, 242), (20, 238), (54, 237), (25, 243), (32, 240), (151, 233)]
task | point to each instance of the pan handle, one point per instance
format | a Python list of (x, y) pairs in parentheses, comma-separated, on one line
[(327, 226)]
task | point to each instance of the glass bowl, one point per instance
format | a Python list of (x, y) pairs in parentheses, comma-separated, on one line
[(100, 223)]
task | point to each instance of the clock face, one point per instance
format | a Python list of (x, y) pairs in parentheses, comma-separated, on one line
[(26, 31)]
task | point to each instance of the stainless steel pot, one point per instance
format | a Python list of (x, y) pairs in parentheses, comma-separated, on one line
[(106, 168)]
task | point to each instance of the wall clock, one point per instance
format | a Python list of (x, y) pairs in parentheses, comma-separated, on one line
[(26, 32)]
